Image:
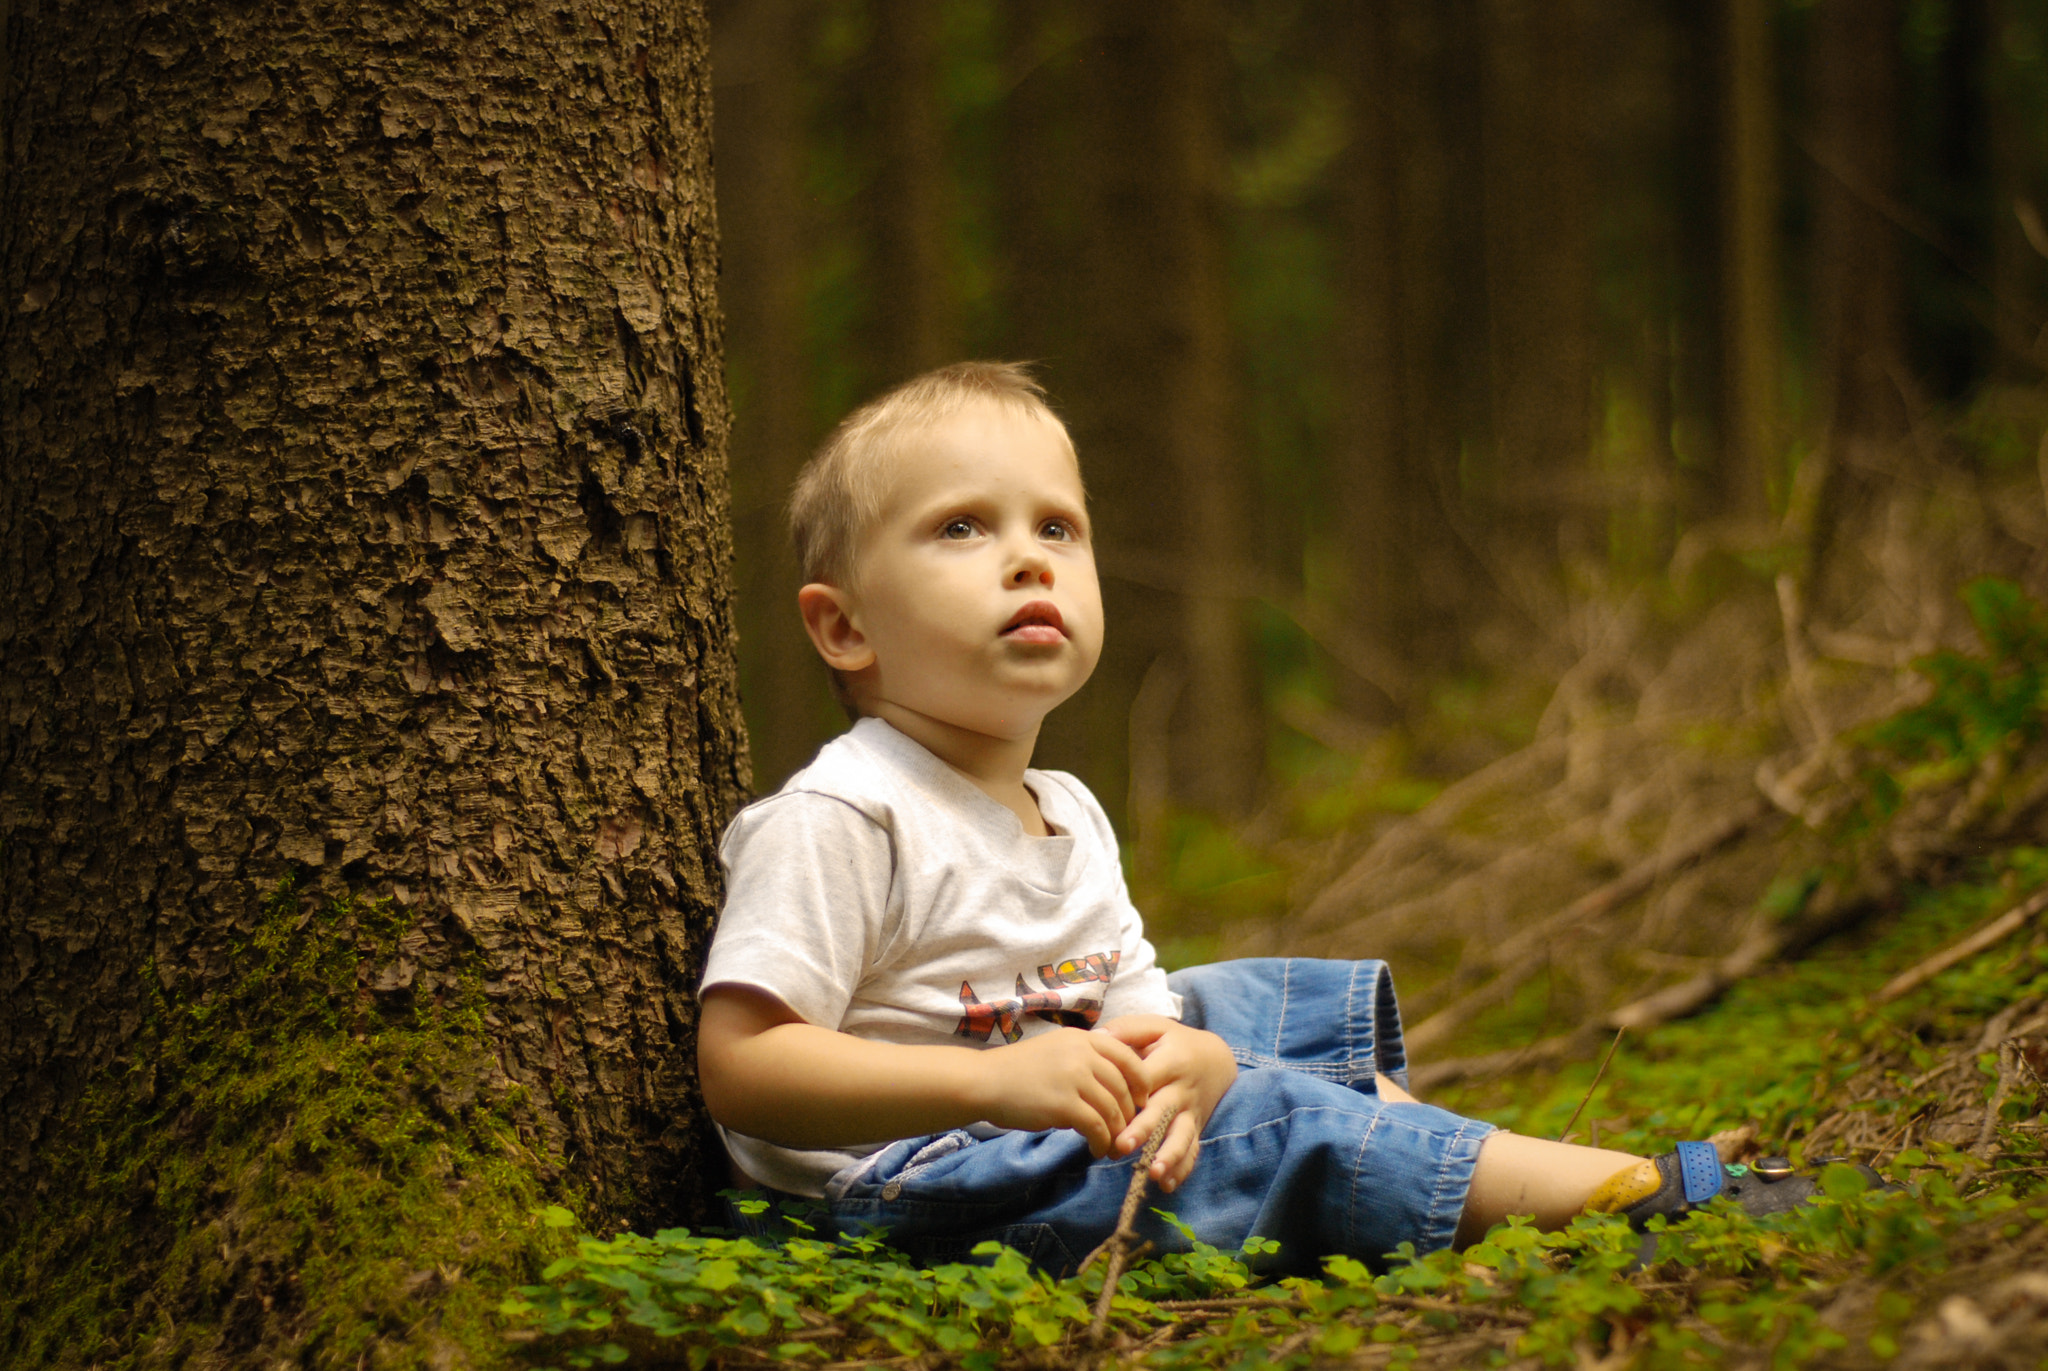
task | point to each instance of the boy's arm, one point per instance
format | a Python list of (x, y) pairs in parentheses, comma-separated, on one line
[(769, 1074), (1188, 1069)]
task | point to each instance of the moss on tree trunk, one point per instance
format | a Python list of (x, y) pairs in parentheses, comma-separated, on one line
[(291, 1160)]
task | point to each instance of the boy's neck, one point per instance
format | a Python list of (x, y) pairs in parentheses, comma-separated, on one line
[(995, 765)]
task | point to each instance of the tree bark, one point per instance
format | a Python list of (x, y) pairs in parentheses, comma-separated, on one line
[(1858, 274), (364, 516)]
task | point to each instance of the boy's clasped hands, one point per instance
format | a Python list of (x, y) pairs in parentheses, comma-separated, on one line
[(1113, 1083)]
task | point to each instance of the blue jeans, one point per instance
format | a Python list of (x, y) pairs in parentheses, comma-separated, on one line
[(1301, 1150)]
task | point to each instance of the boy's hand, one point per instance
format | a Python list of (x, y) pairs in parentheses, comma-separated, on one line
[(1188, 1069), (1093, 1083)]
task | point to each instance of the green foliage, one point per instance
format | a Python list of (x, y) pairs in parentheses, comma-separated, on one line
[(1724, 1281), (1721, 1285), (1982, 707), (785, 1298), (285, 1160)]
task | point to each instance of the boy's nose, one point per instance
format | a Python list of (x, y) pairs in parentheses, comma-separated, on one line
[(1024, 575)]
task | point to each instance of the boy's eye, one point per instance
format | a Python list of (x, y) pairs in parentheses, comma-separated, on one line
[(1057, 529), (957, 528)]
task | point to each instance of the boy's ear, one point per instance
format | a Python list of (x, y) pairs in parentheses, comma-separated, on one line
[(828, 618)]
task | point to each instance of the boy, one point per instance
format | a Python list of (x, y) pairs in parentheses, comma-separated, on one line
[(929, 1001)]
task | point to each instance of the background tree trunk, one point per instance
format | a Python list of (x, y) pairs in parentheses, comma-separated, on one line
[(1859, 290), (915, 315), (758, 48), (1858, 265), (1172, 500), (1539, 280), (1385, 511), (2013, 115), (1752, 444), (364, 516)]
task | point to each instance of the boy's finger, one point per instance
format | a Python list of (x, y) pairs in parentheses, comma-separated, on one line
[(1112, 1081), (1176, 1159), (1111, 1112), (1127, 1062), (1094, 1126)]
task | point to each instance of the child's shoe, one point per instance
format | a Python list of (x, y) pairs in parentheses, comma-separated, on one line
[(1675, 1182)]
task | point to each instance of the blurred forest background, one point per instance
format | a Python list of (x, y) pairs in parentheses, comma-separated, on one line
[(1614, 391)]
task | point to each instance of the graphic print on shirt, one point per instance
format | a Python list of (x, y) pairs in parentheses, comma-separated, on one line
[(979, 1018)]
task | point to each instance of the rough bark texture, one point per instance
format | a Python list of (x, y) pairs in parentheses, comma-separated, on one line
[(364, 515)]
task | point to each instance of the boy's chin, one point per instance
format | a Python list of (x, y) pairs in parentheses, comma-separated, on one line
[(1016, 717)]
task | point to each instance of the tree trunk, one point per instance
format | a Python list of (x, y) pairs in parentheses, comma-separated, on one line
[(757, 51), (1387, 513), (916, 322), (1539, 277), (1859, 290), (1858, 270), (1441, 353), (364, 517), (2013, 112), (1163, 390), (1752, 444)]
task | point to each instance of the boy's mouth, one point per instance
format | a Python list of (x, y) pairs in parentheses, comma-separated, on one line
[(1037, 622)]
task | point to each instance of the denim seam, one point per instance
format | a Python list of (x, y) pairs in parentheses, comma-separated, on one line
[(1342, 1073), (1351, 1054), (1351, 1236), (1286, 985), (1475, 1132)]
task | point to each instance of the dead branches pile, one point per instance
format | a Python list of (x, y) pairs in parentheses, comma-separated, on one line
[(1694, 808)]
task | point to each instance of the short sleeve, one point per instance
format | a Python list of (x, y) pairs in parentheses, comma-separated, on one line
[(1140, 984), (807, 894)]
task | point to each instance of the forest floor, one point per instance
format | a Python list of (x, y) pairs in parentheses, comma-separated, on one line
[(1938, 1086), (1750, 859)]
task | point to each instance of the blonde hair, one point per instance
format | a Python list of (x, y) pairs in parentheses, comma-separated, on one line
[(838, 494)]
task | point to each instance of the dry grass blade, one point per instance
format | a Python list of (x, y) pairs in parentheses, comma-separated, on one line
[(1587, 1098)]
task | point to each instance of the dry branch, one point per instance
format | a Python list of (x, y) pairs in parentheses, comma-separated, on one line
[(1999, 929), (1521, 956), (1122, 1245)]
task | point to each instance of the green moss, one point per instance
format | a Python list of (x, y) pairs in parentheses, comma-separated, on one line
[(289, 1166)]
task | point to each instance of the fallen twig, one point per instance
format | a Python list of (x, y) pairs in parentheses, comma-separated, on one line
[(1119, 1247), (1517, 957), (1999, 929)]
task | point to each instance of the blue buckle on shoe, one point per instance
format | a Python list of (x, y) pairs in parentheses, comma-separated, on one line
[(1699, 1168)]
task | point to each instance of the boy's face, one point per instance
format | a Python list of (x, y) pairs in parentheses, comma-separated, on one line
[(974, 601)]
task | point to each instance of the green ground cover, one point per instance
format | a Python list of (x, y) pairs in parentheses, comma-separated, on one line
[(1857, 1278)]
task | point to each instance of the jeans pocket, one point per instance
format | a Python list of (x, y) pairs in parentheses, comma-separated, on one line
[(887, 1170)]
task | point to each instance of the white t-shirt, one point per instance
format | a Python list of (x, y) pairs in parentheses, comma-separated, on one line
[(880, 893)]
